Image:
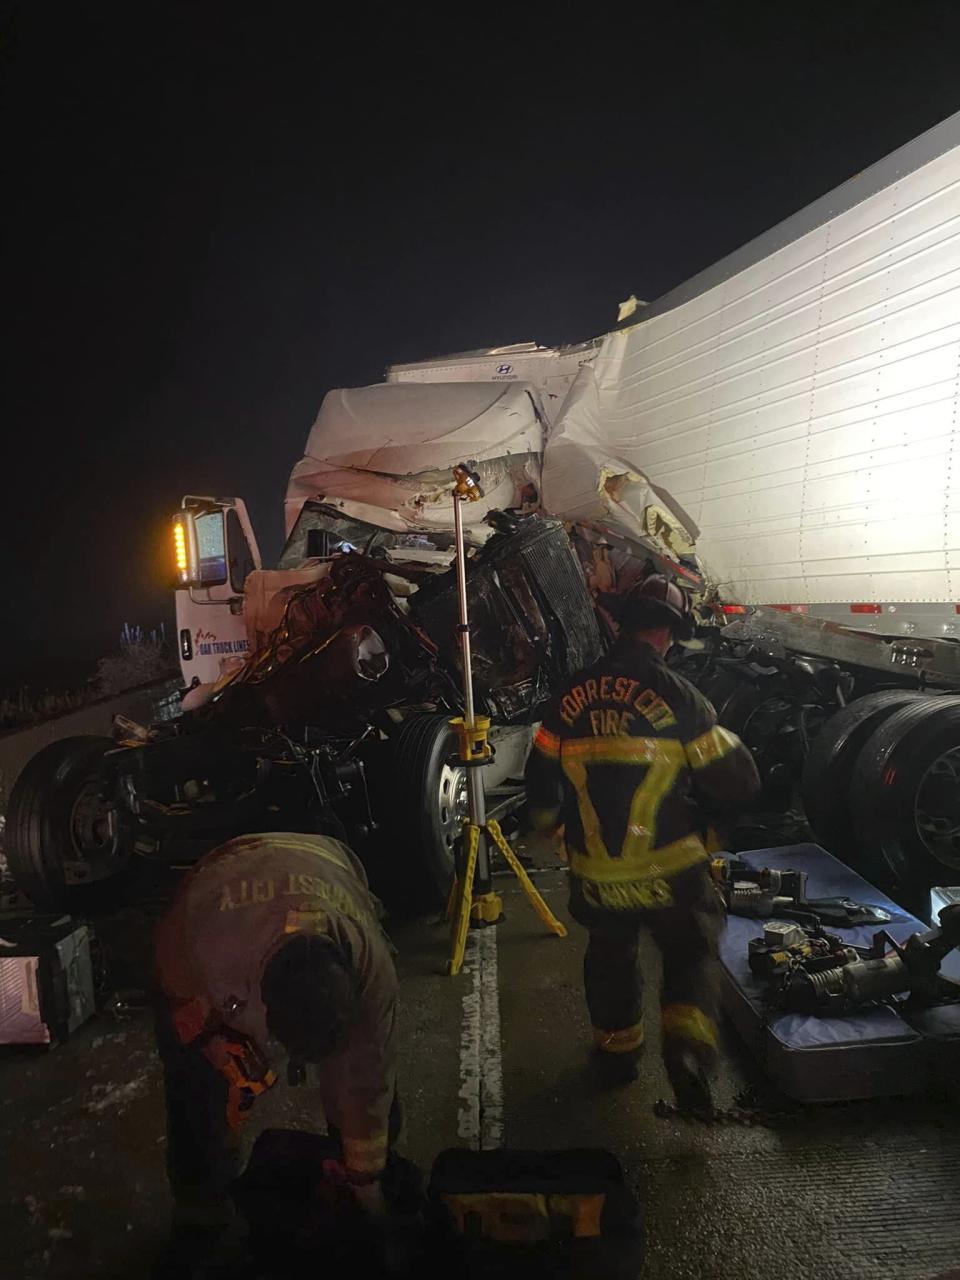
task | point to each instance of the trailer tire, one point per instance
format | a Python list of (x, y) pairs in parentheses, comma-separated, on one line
[(740, 701), (905, 795), (430, 796), (55, 820), (828, 768)]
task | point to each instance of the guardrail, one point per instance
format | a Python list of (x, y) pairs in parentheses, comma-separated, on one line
[(148, 704)]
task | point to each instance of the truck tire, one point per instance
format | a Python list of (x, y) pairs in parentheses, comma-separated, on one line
[(755, 710), (431, 796), (828, 769), (65, 848), (905, 795)]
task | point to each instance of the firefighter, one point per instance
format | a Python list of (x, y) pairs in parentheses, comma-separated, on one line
[(273, 943), (628, 763)]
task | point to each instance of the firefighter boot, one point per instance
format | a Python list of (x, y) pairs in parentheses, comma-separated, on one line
[(615, 1070), (690, 1081), (617, 1056), (689, 1055)]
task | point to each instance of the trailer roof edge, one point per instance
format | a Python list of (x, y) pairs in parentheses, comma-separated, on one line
[(906, 159)]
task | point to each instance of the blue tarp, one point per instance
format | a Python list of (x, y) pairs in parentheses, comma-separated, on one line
[(868, 1054)]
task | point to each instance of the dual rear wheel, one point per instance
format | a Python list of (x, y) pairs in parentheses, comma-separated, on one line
[(881, 788)]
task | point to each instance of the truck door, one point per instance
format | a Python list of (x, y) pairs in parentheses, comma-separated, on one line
[(214, 550)]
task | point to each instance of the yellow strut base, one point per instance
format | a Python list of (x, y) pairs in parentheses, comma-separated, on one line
[(486, 909)]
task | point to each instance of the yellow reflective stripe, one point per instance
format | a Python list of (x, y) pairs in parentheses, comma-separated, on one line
[(624, 1041), (576, 771), (688, 1022), (548, 743), (710, 746), (642, 822), (665, 862), (307, 846), (365, 1155), (664, 757), (621, 749), (651, 893), (307, 922)]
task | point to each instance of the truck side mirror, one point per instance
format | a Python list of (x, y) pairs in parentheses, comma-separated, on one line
[(200, 548)]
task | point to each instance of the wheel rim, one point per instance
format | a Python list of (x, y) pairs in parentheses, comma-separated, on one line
[(937, 808), (769, 733), (95, 835), (452, 804)]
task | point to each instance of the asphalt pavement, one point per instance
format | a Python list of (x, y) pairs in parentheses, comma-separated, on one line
[(499, 1054)]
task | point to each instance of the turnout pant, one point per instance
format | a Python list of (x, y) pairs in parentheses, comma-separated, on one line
[(686, 931)]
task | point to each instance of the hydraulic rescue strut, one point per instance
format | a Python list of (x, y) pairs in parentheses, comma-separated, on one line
[(472, 897)]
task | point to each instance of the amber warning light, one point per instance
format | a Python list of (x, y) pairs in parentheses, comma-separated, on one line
[(184, 550)]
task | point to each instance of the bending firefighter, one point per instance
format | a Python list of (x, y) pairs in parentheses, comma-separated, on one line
[(630, 761), (273, 938)]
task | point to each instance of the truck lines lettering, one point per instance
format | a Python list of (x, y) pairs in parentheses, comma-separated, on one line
[(205, 644)]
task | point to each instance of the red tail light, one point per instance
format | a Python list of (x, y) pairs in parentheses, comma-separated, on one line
[(866, 608), (732, 608)]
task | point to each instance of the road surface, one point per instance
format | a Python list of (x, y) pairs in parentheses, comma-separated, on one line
[(499, 1054)]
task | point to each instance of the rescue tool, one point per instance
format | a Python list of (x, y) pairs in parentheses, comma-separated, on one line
[(761, 892), (818, 973), (472, 897)]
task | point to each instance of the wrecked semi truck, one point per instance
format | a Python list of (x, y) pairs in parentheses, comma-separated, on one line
[(318, 694), (781, 430), (778, 433)]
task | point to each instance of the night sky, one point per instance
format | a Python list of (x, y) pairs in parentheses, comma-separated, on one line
[(214, 213)]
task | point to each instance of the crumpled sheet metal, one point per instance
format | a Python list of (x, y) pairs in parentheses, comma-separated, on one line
[(401, 429), (420, 501), (585, 479), (385, 453)]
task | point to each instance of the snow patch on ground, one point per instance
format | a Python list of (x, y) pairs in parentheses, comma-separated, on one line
[(118, 1097)]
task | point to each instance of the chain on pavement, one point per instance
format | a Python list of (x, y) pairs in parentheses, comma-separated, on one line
[(741, 1115)]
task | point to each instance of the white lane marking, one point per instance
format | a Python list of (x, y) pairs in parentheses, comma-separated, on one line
[(468, 1120), (491, 1058), (480, 1119)]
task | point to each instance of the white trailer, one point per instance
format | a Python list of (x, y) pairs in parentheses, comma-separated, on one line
[(798, 400)]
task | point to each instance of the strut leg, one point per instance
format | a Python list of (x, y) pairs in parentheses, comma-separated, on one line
[(530, 889), (461, 900), (486, 908)]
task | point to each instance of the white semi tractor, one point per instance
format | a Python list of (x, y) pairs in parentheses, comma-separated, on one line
[(779, 433)]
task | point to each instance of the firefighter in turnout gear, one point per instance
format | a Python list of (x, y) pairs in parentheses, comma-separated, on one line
[(273, 943), (630, 763)]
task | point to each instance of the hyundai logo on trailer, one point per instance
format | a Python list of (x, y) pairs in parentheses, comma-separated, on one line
[(504, 369)]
